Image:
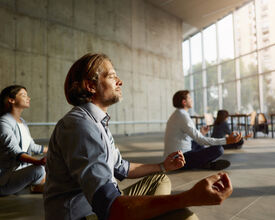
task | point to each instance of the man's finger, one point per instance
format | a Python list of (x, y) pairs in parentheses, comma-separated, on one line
[(172, 154), (226, 181), (214, 178)]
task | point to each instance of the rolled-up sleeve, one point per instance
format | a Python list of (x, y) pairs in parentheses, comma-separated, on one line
[(103, 199), (86, 158), (36, 148), (121, 169)]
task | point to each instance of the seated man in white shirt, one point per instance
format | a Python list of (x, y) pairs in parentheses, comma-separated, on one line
[(181, 134)]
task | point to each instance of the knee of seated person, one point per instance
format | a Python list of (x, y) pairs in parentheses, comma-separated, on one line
[(39, 172), (164, 185), (165, 179), (220, 150)]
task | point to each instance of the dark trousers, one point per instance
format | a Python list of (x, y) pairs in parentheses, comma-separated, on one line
[(199, 156), (234, 146)]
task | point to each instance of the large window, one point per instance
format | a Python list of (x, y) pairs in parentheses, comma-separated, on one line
[(198, 101), (186, 57), (229, 97), (245, 29), (225, 41), (238, 70), (196, 53), (210, 45), (249, 94), (268, 92)]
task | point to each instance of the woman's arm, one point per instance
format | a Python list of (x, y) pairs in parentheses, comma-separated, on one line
[(29, 159)]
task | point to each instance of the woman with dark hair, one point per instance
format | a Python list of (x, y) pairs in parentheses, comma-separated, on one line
[(221, 129), (18, 168)]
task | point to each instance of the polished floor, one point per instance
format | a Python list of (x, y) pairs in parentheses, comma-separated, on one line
[(252, 173)]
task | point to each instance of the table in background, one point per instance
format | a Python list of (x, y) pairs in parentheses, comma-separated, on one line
[(240, 117), (198, 120)]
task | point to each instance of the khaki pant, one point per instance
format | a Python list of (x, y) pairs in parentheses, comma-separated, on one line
[(158, 184)]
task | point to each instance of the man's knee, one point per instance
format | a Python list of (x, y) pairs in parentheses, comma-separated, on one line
[(164, 185), (165, 180), (219, 150)]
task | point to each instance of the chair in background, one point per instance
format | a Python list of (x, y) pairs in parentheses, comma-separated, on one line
[(209, 121), (258, 122)]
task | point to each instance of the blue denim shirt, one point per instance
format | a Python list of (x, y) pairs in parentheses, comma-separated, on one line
[(81, 167)]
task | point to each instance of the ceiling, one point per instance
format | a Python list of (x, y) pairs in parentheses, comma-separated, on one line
[(197, 14)]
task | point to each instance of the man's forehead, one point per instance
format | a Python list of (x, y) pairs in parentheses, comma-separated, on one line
[(107, 68)]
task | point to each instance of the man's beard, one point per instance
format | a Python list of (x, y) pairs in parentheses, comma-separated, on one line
[(114, 99)]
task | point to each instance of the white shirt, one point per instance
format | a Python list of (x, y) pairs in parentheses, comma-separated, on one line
[(25, 137), (181, 130)]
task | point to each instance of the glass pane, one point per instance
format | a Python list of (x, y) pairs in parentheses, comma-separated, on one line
[(185, 57), (187, 82), (229, 97), (212, 99), (267, 57), (196, 53), (228, 71), (265, 24), (268, 92), (212, 76), (198, 101), (246, 29), (225, 33), (197, 80), (248, 65), (249, 95), (210, 45)]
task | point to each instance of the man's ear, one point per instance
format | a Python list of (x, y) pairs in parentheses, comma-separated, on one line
[(183, 103), (90, 86)]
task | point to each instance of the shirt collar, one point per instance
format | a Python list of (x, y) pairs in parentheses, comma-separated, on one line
[(105, 120), (183, 110), (95, 111)]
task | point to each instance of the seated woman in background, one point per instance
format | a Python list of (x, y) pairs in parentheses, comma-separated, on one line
[(18, 168), (221, 129)]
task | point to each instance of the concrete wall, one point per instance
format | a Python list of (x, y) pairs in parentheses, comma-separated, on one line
[(40, 39)]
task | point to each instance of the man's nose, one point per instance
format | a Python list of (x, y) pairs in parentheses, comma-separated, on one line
[(119, 81)]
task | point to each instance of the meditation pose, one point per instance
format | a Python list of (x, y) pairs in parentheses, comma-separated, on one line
[(18, 168), (221, 129), (182, 135), (83, 163)]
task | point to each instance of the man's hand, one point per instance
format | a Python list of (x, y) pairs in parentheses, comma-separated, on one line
[(174, 161), (204, 129), (212, 190), (233, 138)]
